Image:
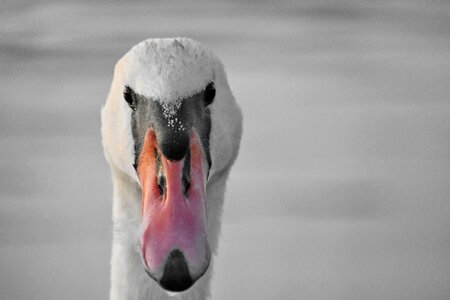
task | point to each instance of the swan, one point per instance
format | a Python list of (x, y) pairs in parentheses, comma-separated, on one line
[(171, 131)]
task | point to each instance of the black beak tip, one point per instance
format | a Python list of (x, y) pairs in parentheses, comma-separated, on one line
[(176, 277)]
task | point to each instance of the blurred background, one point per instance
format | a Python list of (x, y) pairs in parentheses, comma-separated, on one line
[(342, 186)]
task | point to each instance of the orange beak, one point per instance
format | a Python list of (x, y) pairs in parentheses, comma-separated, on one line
[(174, 243)]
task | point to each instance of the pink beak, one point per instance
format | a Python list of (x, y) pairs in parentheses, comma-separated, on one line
[(174, 243)]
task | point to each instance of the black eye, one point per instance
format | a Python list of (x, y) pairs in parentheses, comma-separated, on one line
[(210, 93), (129, 98)]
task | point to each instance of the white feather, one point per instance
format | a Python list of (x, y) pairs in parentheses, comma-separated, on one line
[(169, 69), (166, 70)]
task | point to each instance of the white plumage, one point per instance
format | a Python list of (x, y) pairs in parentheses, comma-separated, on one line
[(178, 68), (166, 70)]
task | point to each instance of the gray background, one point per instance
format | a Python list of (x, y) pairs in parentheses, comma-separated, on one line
[(342, 187)]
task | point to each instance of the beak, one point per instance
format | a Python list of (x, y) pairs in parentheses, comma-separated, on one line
[(174, 243)]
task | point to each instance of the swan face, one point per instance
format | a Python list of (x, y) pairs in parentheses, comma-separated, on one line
[(172, 164), (171, 124)]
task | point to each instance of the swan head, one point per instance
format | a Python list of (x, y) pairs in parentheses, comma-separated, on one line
[(171, 125)]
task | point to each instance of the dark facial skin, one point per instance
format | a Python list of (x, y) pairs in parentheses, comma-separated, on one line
[(164, 132), (173, 129)]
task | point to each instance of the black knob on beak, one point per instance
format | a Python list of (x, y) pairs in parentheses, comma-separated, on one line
[(173, 144)]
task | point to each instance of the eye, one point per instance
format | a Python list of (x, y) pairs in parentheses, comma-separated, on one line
[(129, 98), (210, 93)]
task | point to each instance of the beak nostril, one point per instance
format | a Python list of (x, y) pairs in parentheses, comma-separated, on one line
[(186, 185), (186, 177), (162, 184), (160, 174)]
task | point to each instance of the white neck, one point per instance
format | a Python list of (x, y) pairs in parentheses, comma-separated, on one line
[(128, 278)]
